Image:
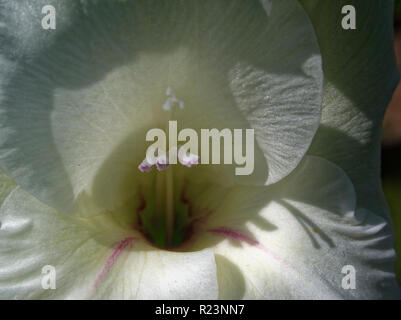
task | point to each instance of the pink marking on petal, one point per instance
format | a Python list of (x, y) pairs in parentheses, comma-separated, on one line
[(233, 234), (113, 258)]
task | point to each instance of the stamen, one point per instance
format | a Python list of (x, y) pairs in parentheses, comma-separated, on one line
[(162, 162), (164, 206), (159, 196), (169, 206), (172, 100)]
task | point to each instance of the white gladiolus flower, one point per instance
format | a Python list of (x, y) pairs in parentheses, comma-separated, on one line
[(76, 189)]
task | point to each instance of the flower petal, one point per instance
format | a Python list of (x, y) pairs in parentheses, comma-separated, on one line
[(293, 240), (91, 261), (6, 186), (360, 77), (88, 92)]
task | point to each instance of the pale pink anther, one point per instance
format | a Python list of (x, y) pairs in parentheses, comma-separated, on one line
[(189, 160), (162, 162), (145, 166)]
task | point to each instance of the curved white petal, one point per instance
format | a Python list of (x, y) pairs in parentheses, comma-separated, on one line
[(80, 98), (360, 77), (91, 261), (292, 241)]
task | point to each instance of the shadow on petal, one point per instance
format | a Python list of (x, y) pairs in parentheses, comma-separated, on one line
[(231, 280)]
